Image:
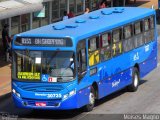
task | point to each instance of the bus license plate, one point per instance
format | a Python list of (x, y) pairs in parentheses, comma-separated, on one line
[(40, 104)]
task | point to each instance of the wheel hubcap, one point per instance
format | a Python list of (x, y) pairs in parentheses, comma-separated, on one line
[(135, 80), (91, 98)]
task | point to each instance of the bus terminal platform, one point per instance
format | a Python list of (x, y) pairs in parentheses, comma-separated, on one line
[(5, 77)]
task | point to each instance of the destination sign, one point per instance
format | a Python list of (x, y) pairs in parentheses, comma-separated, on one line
[(43, 41)]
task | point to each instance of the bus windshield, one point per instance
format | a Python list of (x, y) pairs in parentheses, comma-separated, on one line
[(44, 66)]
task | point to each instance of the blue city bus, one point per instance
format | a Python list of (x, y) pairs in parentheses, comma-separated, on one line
[(71, 63)]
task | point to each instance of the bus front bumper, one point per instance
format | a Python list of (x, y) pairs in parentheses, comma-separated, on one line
[(69, 103), (73, 101)]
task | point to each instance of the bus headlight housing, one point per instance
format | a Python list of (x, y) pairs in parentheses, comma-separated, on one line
[(71, 93), (65, 96), (16, 93)]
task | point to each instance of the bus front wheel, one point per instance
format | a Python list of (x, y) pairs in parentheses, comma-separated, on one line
[(135, 80), (90, 106)]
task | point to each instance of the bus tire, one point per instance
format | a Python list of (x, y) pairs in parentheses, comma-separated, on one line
[(135, 80), (89, 107)]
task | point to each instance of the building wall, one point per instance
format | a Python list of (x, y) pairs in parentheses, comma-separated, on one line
[(53, 12)]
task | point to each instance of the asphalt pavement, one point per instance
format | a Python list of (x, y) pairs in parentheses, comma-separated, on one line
[(113, 107)]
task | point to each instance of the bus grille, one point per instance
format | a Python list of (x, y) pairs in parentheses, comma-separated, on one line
[(41, 88)]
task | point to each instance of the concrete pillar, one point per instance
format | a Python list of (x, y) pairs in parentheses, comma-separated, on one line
[(124, 2), (50, 12), (111, 3), (75, 11), (67, 6), (20, 23), (10, 25), (31, 21), (84, 5), (90, 5), (59, 11)]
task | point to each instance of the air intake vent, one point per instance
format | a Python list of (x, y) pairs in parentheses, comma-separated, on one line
[(93, 17), (118, 10), (80, 21), (72, 26), (42, 88), (106, 12), (59, 27)]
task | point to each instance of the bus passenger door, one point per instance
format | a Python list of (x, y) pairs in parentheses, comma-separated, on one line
[(81, 59)]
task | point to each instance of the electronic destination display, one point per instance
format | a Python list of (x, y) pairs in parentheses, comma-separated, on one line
[(26, 41)]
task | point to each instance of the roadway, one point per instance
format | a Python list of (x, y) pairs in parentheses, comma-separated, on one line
[(118, 106)]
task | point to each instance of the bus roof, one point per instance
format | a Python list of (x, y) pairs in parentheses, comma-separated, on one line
[(90, 24)]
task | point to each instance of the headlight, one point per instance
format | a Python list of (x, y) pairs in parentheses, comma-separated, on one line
[(71, 93), (16, 93), (65, 96)]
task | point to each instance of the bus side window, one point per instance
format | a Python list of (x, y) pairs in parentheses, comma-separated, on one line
[(146, 30), (83, 61), (105, 51), (117, 42), (81, 58), (138, 36), (128, 41), (146, 24), (93, 50), (151, 22)]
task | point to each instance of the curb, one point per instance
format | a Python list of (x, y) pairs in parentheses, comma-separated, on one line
[(6, 96)]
